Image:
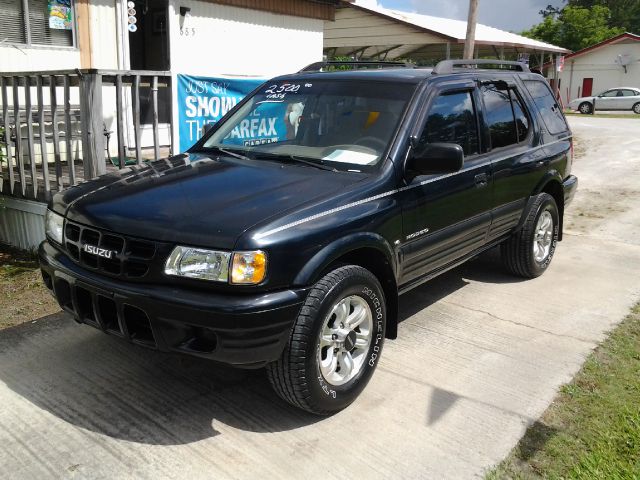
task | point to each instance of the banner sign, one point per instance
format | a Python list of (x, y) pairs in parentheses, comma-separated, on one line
[(203, 100), (60, 14)]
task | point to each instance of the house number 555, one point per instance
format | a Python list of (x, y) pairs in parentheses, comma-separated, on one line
[(188, 32)]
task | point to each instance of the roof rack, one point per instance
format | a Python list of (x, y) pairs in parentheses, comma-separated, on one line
[(318, 66), (448, 66)]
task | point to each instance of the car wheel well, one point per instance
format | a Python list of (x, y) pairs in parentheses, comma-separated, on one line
[(554, 188), (377, 263)]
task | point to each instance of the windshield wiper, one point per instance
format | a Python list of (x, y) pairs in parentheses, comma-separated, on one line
[(224, 151), (296, 159)]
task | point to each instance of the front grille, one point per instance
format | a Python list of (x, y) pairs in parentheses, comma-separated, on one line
[(112, 254), (103, 312)]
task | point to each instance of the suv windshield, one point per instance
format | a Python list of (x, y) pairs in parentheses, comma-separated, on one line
[(344, 124)]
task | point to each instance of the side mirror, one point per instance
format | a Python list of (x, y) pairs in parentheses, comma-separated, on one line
[(435, 158)]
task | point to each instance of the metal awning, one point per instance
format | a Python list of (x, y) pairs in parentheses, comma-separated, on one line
[(377, 32)]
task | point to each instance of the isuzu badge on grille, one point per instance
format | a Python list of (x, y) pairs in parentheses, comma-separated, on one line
[(101, 252)]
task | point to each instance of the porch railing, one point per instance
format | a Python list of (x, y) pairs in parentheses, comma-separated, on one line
[(54, 126)]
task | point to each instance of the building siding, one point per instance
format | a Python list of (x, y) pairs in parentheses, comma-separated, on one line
[(600, 65)]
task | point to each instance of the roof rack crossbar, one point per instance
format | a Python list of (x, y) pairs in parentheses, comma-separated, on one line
[(448, 66), (318, 66)]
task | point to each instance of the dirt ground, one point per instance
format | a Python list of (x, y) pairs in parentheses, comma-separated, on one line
[(23, 296)]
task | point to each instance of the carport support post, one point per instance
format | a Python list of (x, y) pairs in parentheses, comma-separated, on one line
[(91, 117), (448, 50)]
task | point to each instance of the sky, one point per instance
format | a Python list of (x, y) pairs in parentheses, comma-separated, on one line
[(511, 15)]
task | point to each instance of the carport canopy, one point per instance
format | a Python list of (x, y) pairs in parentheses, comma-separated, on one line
[(366, 32)]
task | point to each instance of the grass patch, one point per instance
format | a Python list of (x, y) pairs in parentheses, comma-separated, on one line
[(23, 296), (592, 429)]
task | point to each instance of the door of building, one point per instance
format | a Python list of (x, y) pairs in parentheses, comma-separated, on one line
[(587, 87)]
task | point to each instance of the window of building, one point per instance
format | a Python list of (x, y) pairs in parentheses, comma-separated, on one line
[(547, 105), (37, 22), (452, 119)]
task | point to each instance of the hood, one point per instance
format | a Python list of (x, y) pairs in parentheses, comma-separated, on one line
[(196, 199)]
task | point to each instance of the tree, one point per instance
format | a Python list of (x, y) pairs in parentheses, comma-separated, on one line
[(624, 13), (574, 27)]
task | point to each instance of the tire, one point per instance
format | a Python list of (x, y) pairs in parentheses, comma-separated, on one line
[(585, 108), (529, 251), (636, 108), (302, 374)]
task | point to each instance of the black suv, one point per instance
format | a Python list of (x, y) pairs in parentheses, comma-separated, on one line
[(290, 251)]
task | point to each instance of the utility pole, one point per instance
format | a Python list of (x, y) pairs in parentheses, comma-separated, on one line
[(469, 43)]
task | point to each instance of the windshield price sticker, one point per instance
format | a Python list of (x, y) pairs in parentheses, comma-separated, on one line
[(279, 92)]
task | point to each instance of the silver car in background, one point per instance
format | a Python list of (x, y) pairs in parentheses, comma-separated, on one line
[(620, 98)]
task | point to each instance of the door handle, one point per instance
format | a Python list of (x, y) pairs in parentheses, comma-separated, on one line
[(481, 180)]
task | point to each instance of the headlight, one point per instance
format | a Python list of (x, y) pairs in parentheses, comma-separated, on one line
[(53, 225), (249, 267), (198, 263)]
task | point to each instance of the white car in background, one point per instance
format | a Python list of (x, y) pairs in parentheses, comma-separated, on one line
[(620, 98)]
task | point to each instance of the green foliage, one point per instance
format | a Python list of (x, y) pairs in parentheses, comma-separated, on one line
[(575, 27), (625, 14)]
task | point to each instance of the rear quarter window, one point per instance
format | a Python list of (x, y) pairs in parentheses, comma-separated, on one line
[(550, 111)]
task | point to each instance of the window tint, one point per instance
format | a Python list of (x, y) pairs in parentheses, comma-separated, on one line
[(547, 105), (499, 116), (452, 119), (611, 93), (522, 121), (628, 93)]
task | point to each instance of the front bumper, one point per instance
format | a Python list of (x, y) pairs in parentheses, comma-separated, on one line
[(242, 330)]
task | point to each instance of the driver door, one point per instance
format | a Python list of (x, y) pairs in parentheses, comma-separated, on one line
[(447, 216)]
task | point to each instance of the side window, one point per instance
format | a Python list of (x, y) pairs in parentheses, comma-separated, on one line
[(499, 116), (452, 119), (611, 93), (629, 93), (522, 120), (549, 110)]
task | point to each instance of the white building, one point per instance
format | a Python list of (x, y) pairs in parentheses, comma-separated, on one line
[(194, 37), (612, 63)]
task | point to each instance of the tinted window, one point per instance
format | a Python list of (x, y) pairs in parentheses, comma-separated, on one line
[(547, 105), (499, 116), (611, 93), (452, 119), (628, 93), (522, 121)]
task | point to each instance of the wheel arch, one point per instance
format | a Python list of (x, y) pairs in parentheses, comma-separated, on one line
[(551, 184), (367, 250)]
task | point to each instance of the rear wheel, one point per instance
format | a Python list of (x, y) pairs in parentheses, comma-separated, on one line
[(636, 108), (585, 107), (335, 344), (529, 251)]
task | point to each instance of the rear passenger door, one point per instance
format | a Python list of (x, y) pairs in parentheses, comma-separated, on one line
[(517, 166), (446, 216)]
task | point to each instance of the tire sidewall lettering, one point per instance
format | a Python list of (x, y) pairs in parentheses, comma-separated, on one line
[(375, 301)]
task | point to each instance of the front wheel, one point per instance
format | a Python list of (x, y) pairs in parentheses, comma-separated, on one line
[(529, 251), (335, 343), (585, 107)]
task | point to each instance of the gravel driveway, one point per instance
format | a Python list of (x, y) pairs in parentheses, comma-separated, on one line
[(480, 355)]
